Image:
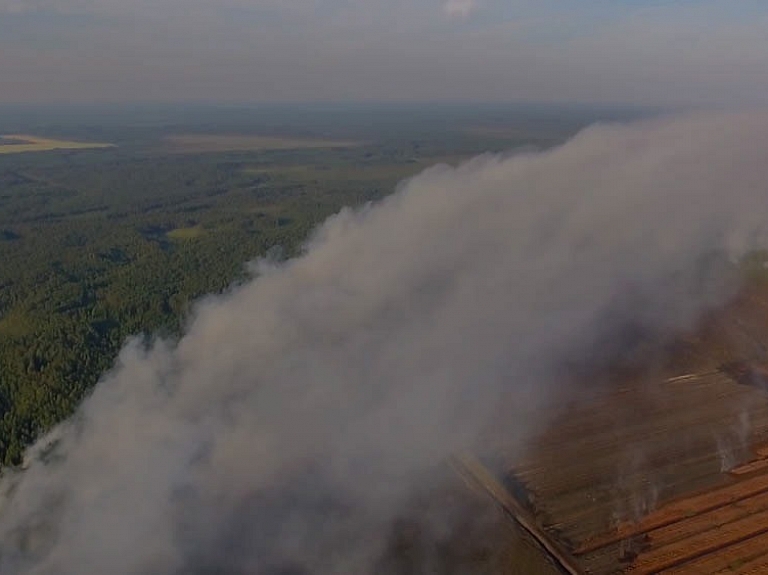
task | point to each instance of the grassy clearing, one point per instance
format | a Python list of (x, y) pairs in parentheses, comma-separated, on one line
[(19, 143), (182, 234), (195, 143), (15, 324)]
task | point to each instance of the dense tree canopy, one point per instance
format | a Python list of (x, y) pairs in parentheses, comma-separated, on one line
[(98, 246)]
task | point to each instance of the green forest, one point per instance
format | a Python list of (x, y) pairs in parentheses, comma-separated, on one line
[(100, 245), (95, 251)]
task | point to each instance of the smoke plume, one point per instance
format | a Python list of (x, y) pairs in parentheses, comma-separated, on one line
[(291, 423)]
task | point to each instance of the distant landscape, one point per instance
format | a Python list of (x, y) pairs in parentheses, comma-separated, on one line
[(17, 144), (101, 241)]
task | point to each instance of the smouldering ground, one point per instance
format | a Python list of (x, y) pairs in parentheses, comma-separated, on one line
[(646, 471)]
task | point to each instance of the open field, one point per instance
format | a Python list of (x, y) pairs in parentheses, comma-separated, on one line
[(19, 143), (197, 143)]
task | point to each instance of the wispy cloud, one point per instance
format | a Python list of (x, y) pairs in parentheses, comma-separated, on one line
[(460, 8), (707, 52)]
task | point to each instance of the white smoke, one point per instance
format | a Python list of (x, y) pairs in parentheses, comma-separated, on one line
[(289, 425), (459, 8), (733, 445)]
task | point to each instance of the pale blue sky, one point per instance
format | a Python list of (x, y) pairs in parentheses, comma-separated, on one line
[(686, 52)]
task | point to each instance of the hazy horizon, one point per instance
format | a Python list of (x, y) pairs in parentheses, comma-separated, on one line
[(639, 52)]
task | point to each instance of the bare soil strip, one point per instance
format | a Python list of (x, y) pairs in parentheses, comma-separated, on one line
[(681, 510), (743, 553), (712, 541)]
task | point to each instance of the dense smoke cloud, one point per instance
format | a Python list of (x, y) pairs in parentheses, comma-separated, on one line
[(290, 424)]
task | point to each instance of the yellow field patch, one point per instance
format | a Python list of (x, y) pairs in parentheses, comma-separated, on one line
[(191, 143), (19, 143), (185, 233), (15, 324)]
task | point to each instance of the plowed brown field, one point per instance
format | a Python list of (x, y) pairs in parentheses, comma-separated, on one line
[(661, 468)]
